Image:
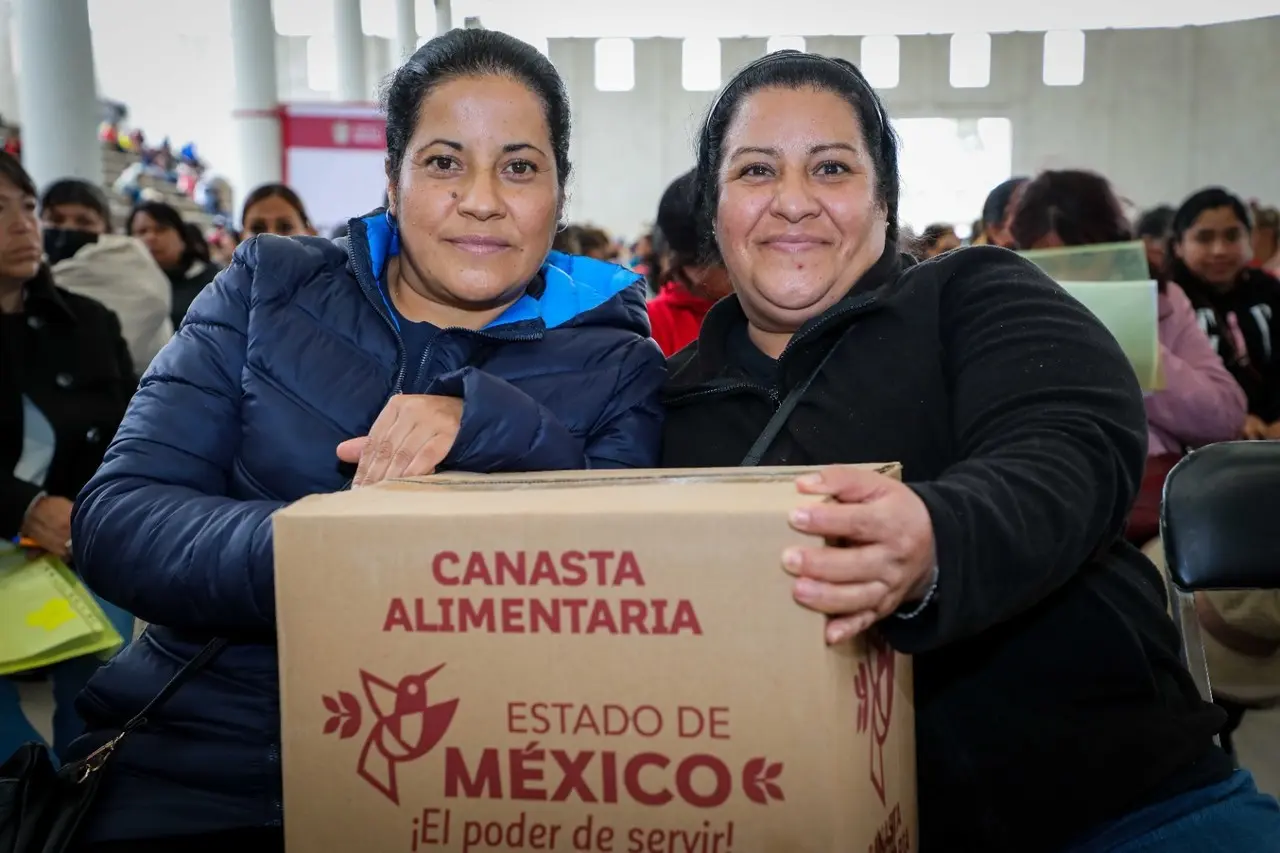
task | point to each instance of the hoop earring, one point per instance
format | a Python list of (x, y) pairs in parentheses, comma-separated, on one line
[(391, 220), (562, 227)]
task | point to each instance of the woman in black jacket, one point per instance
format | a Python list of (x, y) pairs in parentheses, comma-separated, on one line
[(65, 380), (182, 254), (1052, 710)]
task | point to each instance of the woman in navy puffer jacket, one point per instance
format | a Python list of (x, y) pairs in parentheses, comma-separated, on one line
[(442, 336)]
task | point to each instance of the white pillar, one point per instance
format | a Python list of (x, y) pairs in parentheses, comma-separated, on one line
[(256, 105), (8, 78), (60, 123), (348, 35), (406, 40), (444, 16)]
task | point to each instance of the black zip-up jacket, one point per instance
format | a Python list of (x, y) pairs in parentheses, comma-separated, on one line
[(1243, 324), (1049, 694), (66, 354)]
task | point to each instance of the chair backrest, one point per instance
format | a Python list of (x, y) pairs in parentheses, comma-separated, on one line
[(1220, 517)]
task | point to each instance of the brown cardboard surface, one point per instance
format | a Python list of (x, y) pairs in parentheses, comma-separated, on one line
[(672, 698)]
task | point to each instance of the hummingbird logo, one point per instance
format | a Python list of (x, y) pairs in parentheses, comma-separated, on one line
[(406, 726), (874, 688)]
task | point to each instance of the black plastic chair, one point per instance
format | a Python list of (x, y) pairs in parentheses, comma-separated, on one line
[(1220, 523)]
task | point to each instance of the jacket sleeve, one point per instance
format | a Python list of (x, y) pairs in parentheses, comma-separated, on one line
[(154, 531), (504, 429), (1050, 436), (1201, 402)]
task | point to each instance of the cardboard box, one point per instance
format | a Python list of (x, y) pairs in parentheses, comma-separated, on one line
[(577, 662)]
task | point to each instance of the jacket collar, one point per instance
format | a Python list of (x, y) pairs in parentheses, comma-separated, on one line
[(710, 360), (43, 299), (566, 287)]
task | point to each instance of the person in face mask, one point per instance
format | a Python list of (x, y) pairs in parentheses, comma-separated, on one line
[(118, 271)]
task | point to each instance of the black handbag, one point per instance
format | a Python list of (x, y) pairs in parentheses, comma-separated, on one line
[(41, 808)]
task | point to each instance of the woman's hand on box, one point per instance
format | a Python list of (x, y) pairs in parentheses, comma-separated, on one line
[(878, 552), (412, 435)]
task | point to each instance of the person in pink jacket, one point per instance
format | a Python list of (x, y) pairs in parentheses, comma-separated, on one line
[(1200, 403)]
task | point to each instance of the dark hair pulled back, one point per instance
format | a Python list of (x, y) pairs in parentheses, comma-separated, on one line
[(1197, 203), (473, 53), (284, 192), (1210, 198), (11, 170), (76, 191), (793, 69), (1079, 206), (167, 216)]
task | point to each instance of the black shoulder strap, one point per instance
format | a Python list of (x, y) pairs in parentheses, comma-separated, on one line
[(202, 659), (83, 769), (779, 419)]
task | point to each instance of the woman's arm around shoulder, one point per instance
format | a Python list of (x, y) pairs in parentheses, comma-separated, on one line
[(1201, 402), (1049, 438), (154, 531)]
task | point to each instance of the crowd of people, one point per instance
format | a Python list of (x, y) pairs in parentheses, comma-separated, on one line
[(1053, 711)]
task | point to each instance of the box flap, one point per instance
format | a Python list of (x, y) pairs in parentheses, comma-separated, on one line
[(567, 492)]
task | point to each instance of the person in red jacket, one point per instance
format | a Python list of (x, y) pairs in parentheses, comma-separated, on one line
[(689, 287)]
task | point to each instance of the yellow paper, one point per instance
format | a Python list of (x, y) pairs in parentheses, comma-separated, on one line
[(47, 615)]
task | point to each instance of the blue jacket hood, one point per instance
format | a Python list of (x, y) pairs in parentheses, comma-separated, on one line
[(570, 290)]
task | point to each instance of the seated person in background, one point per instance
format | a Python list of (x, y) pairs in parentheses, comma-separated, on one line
[(1237, 305), (689, 288), (1152, 228), (995, 215), (117, 271), (595, 243), (937, 239), (65, 379), (184, 259), (442, 335), (568, 240), (1266, 239), (222, 240), (1201, 403), (274, 209), (1052, 710)]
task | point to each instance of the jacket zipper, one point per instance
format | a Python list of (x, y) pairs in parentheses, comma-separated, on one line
[(364, 274), (277, 807), (481, 333)]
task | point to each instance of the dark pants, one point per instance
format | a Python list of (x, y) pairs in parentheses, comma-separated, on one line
[(238, 841)]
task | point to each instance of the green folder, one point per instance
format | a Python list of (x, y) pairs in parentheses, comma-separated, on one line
[(1099, 262), (1129, 311), (47, 615), (1113, 281)]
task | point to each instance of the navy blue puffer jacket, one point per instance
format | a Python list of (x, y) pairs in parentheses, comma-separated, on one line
[(288, 352)]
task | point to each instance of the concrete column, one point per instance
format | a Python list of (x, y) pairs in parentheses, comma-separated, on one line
[(406, 40), (8, 68), (256, 111), (348, 35), (444, 16), (56, 85)]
